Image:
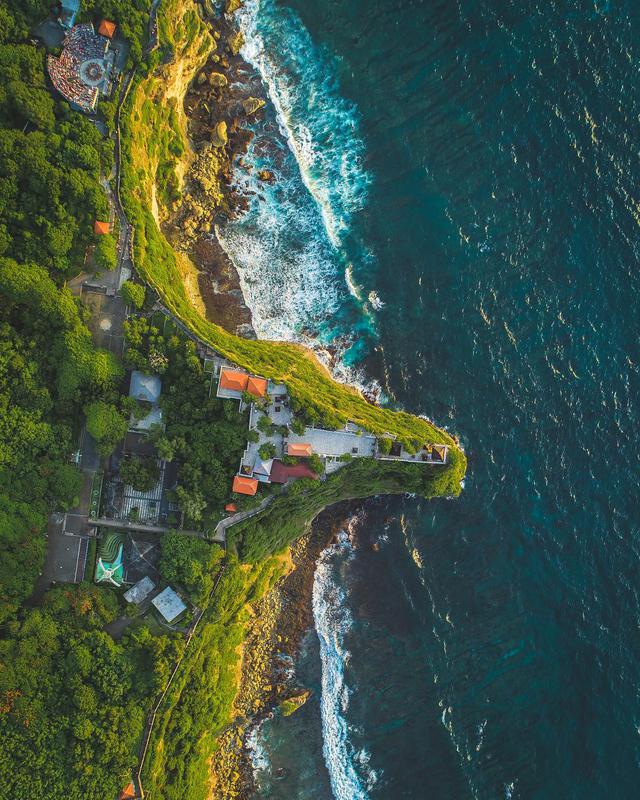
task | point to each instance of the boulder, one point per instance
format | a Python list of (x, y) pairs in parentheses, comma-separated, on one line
[(235, 42), (266, 175), (217, 79), (219, 136), (252, 104), (231, 6)]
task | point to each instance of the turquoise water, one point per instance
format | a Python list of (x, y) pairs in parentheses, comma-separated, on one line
[(469, 224)]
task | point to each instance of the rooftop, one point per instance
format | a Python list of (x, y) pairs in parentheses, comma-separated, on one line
[(299, 449), (169, 604), (334, 443), (83, 68), (281, 473), (141, 590), (145, 387), (101, 228), (107, 28), (244, 485)]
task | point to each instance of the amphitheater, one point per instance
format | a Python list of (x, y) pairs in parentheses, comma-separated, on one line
[(84, 68)]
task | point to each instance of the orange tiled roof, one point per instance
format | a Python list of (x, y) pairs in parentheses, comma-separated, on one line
[(236, 381), (231, 507), (128, 793), (257, 386), (243, 485), (101, 227), (300, 450), (107, 28)]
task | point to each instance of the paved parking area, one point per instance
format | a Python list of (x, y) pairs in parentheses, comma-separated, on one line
[(107, 316)]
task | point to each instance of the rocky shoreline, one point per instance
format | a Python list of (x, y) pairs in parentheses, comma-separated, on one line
[(268, 684), (222, 101)]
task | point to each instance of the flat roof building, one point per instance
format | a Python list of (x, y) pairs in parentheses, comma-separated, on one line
[(139, 591), (169, 604), (145, 387)]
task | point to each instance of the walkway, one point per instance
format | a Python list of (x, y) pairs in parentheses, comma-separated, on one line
[(234, 519), (126, 525)]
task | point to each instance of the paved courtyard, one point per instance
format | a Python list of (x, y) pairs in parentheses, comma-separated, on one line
[(107, 316)]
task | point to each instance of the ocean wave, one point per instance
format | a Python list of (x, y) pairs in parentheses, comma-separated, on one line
[(318, 123), (349, 771), (288, 247)]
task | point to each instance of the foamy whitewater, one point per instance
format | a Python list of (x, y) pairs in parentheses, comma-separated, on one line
[(288, 248), (349, 771)]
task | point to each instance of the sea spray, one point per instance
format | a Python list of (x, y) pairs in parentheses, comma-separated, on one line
[(349, 771), (290, 247)]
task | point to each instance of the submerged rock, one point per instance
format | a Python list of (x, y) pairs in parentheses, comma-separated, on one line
[(252, 104)]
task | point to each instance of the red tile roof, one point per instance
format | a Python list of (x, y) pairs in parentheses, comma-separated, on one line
[(281, 473), (231, 507), (128, 793), (257, 386), (107, 28), (233, 380), (244, 485), (301, 450), (100, 227)]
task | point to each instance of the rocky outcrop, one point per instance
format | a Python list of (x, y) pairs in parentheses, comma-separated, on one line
[(217, 80), (231, 6), (235, 42), (292, 704), (252, 104), (219, 136)]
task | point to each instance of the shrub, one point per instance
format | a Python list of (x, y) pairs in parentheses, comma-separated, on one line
[(316, 463), (297, 426), (384, 445), (267, 451), (105, 256)]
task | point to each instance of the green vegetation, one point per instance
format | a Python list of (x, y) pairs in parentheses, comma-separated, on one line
[(289, 515), (133, 294), (190, 563), (204, 435), (199, 703), (292, 704), (72, 700), (104, 255), (141, 473), (106, 424), (267, 451)]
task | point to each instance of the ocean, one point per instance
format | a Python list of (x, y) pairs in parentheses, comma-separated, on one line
[(456, 219)]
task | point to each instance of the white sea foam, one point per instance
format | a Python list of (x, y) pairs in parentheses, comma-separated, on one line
[(349, 771), (257, 753), (287, 248)]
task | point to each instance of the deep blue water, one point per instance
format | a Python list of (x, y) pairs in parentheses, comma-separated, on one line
[(468, 182)]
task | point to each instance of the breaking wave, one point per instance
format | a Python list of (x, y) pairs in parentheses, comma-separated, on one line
[(349, 770), (288, 247)]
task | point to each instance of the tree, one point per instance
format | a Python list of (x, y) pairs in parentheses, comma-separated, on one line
[(133, 294), (141, 473), (265, 425), (384, 445), (191, 502), (297, 426), (106, 425), (105, 254), (253, 436), (188, 561), (316, 463), (267, 451)]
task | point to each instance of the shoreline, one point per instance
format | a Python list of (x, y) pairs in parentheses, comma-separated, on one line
[(221, 102), (280, 622)]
